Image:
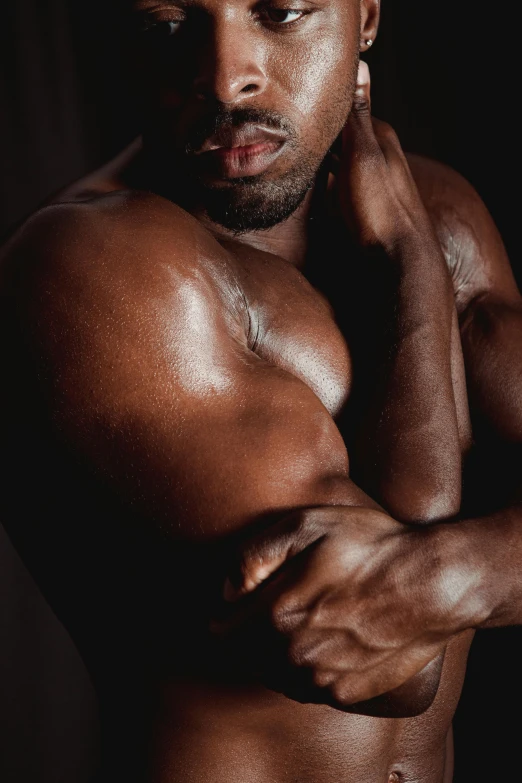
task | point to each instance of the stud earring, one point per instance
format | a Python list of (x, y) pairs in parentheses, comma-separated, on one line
[(369, 42)]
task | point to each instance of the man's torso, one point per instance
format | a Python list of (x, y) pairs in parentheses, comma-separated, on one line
[(210, 725)]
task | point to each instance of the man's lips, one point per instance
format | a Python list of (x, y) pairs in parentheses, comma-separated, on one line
[(240, 152)]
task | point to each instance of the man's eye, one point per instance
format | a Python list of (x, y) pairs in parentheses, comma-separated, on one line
[(161, 30), (283, 16)]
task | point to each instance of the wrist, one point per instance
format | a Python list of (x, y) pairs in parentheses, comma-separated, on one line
[(495, 545), (419, 263), (461, 588), (420, 249)]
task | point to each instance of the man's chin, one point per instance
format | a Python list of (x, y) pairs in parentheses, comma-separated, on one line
[(249, 204)]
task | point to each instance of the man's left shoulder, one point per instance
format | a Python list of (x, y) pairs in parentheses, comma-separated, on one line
[(470, 241)]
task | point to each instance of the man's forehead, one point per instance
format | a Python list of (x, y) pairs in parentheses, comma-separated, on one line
[(220, 5)]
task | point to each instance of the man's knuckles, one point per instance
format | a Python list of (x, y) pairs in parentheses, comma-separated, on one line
[(348, 690), (361, 107), (316, 650), (323, 679)]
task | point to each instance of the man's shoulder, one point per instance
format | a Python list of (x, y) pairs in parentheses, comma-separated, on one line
[(452, 202), (79, 270), (466, 231), (439, 179), (121, 286), (119, 217), (126, 235)]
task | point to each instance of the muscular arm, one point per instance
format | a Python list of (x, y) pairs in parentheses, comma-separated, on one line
[(487, 299), (126, 322), (408, 449), (490, 312), (409, 446), (138, 334), (491, 331)]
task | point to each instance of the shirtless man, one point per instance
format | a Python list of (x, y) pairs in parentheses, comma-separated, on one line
[(195, 340)]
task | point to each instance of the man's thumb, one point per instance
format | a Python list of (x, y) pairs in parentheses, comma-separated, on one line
[(263, 555)]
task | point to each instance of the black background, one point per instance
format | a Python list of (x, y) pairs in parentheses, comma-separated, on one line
[(445, 75)]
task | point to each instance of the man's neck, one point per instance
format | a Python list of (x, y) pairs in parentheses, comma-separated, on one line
[(289, 239)]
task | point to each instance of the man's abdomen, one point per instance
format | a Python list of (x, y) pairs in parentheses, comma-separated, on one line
[(206, 732)]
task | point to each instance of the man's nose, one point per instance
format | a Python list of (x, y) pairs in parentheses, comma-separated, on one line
[(232, 68)]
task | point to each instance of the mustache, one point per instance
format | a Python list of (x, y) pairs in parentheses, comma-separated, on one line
[(233, 118)]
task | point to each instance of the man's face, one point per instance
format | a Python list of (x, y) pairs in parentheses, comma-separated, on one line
[(243, 99)]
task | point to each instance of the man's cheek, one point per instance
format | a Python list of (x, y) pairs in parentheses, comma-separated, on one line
[(321, 79)]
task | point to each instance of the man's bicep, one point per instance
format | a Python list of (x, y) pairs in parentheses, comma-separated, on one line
[(143, 362), (212, 466)]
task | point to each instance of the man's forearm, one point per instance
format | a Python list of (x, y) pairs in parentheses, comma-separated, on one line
[(482, 561), (407, 453), (409, 442)]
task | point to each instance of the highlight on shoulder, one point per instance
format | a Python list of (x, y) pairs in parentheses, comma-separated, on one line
[(118, 235)]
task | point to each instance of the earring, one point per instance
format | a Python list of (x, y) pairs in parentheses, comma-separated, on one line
[(369, 42)]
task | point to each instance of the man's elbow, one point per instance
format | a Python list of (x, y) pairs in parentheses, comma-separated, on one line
[(423, 505)]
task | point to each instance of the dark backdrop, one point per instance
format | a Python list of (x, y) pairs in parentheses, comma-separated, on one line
[(444, 76)]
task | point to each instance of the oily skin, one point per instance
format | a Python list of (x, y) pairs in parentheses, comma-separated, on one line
[(237, 58), (181, 368), (234, 55)]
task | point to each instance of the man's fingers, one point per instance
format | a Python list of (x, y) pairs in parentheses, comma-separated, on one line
[(364, 133), (362, 104), (385, 678), (359, 124), (360, 146), (271, 606), (263, 555)]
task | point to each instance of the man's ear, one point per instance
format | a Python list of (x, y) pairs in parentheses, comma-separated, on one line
[(370, 13)]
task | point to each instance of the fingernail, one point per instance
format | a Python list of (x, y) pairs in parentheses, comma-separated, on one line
[(363, 75)]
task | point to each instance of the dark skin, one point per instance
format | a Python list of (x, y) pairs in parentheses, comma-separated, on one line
[(202, 397)]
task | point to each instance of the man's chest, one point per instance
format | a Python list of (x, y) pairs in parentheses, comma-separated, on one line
[(293, 326)]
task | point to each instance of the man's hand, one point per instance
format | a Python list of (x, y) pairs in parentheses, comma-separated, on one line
[(378, 196), (350, 604)]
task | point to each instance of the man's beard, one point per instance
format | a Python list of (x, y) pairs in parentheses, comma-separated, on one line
[(256, 204), (242, 204)]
